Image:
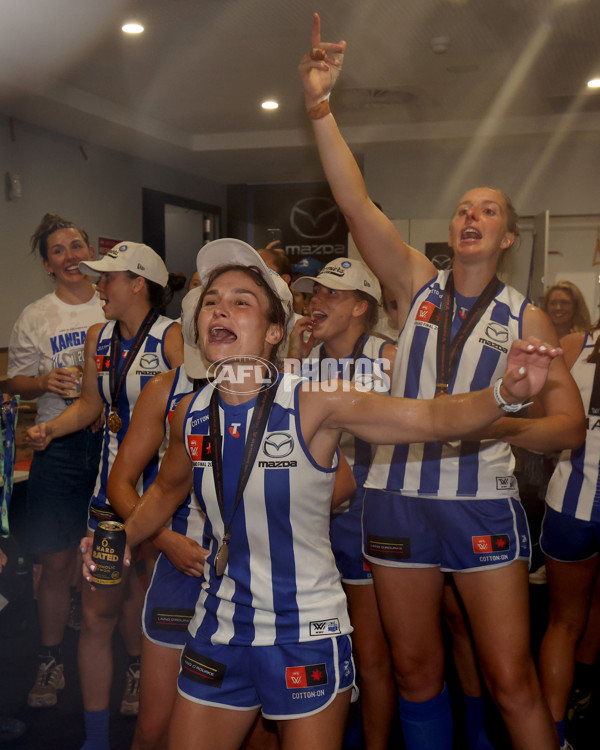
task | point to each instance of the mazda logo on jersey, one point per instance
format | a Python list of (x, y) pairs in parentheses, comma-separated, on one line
[(278, 445), (149, 361), (497, 332), (315, 218)]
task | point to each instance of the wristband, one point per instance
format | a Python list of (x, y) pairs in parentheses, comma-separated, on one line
[(319, 110), (505, 406)]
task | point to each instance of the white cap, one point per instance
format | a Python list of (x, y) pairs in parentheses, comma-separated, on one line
[(193, 361), (228, 251), (129, 256), (342, 273)]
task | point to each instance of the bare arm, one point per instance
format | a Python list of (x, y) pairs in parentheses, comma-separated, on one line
[(143, 439), (380, 419), (83, 411), (174, 346), (557, 420), (169, 489), (403, 269)]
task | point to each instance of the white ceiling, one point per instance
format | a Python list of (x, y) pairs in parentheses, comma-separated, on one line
[(186, 92)]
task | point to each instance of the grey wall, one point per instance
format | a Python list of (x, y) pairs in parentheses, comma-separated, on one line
[(103, 194)]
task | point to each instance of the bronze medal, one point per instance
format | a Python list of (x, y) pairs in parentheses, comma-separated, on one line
[(114, 421), (222, 558)]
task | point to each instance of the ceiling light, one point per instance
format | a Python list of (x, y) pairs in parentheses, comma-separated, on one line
[(594, 83), (132, 28), (270, 104)]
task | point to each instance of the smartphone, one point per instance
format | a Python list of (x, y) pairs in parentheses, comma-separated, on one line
[(273, 235)]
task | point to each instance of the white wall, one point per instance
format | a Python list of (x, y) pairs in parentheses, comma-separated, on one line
[(103, 194)]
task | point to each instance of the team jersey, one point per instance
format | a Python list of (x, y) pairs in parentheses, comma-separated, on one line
[(150, 360), (172, 595), (368, 372), (459, 469), (50, 333), (281, 584), (574, 488)]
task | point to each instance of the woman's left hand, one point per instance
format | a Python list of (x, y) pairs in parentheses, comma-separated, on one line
[(527, 367)]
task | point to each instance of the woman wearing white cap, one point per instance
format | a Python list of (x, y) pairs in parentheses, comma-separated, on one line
[(457, 329), (271, 627), (120, 358), (343, 311)]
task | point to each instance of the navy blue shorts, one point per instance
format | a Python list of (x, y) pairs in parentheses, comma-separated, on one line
[(456, 535), (287, 681), (568, 539), (61, 482), (169, 606), (347, 543)]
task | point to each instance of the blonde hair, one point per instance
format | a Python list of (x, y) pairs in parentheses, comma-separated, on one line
[(581, 314)]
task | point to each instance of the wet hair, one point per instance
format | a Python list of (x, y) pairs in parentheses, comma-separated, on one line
[(276, 312), (160, 296), (581, 316), (49, 224), (371, 316)]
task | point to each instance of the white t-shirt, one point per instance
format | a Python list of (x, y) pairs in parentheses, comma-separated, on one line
[(50, 333)]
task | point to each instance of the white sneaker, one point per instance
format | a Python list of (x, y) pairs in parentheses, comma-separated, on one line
[(538, 577), (130, 704), (50, 678), (566, 746)]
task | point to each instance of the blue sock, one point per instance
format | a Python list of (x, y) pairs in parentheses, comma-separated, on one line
[(427, 725), (560, 728), (475, 723), (96, 730)]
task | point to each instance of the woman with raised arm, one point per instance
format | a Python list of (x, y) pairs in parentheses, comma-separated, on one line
[(458, 327), (45, 362), (270, 629), (121, 357)]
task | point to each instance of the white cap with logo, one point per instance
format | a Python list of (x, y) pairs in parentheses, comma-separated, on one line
[(129, 256), (229, 251), (342, 273)]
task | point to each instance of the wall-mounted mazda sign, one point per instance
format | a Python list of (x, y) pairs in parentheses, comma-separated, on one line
[(315, 218)]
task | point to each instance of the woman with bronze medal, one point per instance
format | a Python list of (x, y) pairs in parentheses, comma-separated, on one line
[(436, 507), (270, 630), (120, 358)]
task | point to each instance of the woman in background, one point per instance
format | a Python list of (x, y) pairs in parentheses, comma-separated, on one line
[(45, 362), (566, 308)]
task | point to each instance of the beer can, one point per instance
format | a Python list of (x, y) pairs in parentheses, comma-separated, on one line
[(108, 552)]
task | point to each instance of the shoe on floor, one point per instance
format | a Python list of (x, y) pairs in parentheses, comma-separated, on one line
[(579, 702), (50, 679), (10, 729), (131, 697), (538, 577)]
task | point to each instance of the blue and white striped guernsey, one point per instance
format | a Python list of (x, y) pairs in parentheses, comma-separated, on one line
[(149, 361), (477, 469), (281, 584), (574, 488)]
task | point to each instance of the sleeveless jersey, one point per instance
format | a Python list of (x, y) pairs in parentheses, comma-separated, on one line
[(369, 373), (574, 488), (150, 360), (172, 595), (281, 584), (458, 469)]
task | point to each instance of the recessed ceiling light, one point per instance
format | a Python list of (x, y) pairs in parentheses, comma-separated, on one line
[(132, 28), (270, 104), (594, 83)]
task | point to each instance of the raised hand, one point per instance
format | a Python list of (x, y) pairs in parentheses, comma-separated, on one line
[(527, 367), (320, 67)]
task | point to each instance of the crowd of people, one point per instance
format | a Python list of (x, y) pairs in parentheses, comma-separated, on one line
[(304, 522)]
